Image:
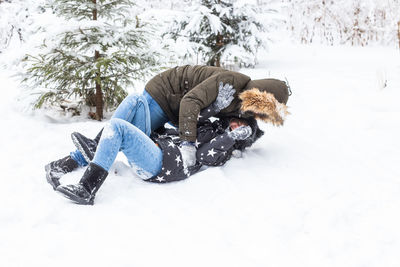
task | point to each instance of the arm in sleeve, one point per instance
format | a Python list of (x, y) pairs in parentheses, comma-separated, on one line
[(223, 100), (217, 151), (200, 97), (206, 131)]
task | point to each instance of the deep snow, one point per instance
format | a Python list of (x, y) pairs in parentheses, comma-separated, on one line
[(321, 191)]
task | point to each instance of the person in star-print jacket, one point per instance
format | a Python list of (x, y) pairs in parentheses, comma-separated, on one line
[(216, 142)]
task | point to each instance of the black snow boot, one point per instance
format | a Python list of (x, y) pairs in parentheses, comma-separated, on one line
[(85, 191), (86, 145), (56, 169)]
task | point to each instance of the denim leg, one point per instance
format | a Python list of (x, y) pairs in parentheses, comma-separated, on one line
[(135, 110), (78, 157), (142, 153), (158, 116), (141, 110)]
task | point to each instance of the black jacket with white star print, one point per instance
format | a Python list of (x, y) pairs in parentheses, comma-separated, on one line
[(214, 145), (220, 148)]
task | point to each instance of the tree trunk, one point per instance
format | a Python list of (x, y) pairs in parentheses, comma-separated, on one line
[(398, 32), (99, 93), (218, 55)]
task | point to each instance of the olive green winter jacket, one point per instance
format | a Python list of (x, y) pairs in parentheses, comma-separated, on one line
[(183, 91)]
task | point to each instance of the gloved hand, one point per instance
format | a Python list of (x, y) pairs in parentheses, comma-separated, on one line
[(240, 133), (188, 151), (223, 100), (225, 96)]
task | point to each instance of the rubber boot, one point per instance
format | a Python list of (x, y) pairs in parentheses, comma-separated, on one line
[(86, 145), (85, 191), (56, 169)]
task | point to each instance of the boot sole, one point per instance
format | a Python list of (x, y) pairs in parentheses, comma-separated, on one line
[(80, 148), (49, 179), (74, 198)]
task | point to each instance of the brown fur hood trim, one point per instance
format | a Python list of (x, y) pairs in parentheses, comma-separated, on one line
[(264, 106)]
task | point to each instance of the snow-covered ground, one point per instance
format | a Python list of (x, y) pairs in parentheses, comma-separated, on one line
[(324, 190)]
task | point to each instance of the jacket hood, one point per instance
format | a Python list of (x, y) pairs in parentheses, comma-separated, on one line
[(278, 88), (266, 99)]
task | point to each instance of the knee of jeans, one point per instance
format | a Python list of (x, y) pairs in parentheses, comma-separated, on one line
[(130, 101), (113, 127), (133, 98)]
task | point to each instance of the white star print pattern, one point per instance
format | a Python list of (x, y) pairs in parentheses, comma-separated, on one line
[(178, 159), (171, 144), (211, 152), (197, 143), (160, 179)]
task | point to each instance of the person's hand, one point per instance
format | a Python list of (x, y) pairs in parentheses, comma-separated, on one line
[(188, 152), (223, 100), (240, 133), (225, 96)]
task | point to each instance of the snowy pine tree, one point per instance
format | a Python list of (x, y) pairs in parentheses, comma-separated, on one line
[(103, 48), (221, 31)]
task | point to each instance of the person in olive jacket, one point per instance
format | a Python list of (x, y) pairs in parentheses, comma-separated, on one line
[(177, 96), (183, 91)]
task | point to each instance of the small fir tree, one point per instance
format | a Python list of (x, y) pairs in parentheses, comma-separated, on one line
[(96, 57), (221, 30)]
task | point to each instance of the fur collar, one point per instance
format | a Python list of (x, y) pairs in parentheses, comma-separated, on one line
[(264, 106)]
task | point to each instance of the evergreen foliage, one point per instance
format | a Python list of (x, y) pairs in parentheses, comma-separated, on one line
[(103, 55), (83, 9), (221, 31)]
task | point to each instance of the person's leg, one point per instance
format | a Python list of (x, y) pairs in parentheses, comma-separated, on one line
[(86, 147), (158, 116), (78, 157), (142, 153), (56, 169), (135, 110), (142, 111), (118, 135)]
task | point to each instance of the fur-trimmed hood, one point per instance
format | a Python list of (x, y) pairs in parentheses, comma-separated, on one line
[(266, 99)]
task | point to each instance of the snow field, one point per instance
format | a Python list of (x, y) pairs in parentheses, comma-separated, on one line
[(323, 190)]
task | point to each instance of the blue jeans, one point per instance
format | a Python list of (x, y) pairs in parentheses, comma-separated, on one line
[(128, 131), (142, 111)]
